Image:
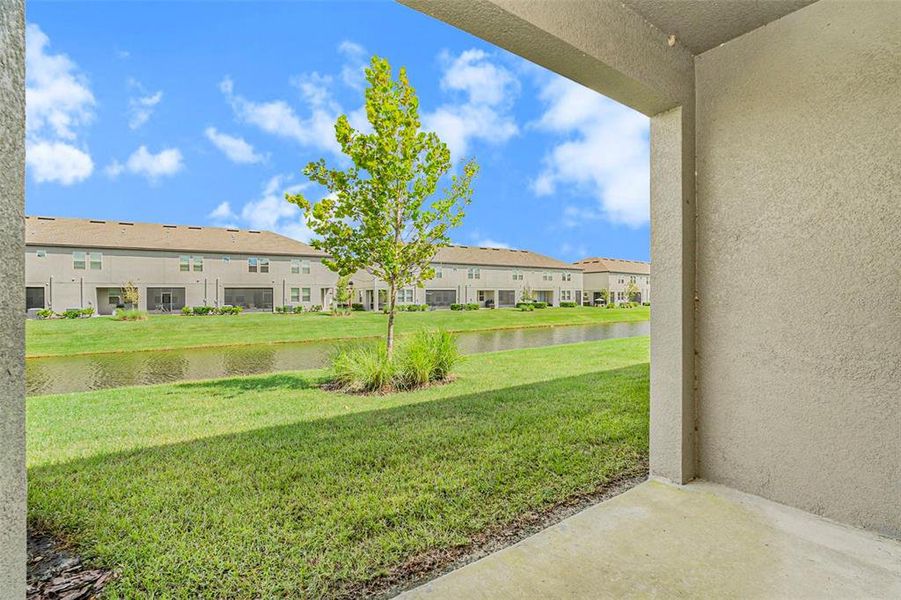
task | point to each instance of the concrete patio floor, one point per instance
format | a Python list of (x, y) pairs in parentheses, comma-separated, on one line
[(698, 540)]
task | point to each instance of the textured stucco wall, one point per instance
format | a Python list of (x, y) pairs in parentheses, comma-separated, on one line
[(799, 262), (12, 299)]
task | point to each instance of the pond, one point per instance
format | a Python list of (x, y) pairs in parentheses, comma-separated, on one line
[(57, 375)]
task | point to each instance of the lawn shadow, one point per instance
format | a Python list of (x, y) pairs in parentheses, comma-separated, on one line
[(255, 383), (317, 508)]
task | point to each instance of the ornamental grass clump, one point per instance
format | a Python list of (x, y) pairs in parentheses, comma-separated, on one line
[(130, 314), (425, 357)]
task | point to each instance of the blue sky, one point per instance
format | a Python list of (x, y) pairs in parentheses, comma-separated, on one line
[(206, 113)]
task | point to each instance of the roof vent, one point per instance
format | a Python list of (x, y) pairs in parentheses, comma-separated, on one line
[(195, 228), (233, 230), (170, 226), (46, 219), (253, 231), (125, 223), (93, 221)]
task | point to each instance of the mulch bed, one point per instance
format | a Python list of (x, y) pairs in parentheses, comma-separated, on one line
[(55, 573), (435, 563)]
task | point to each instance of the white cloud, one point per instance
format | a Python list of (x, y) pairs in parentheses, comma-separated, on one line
[(484, 112), (490, 243), (235, 148), (279, 118), (269, 212), (353, 72), (58, 102), (603, 149), (114, 169), (141, 108), (58, 162), (142, 162), (57, 97)]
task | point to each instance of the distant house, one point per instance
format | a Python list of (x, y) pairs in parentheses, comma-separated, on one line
[(80, 263), (614, 275), (488, 276)]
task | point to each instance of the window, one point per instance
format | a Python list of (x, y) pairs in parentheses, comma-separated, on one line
[(305, 267), (306, 294), (78, 260), (506, 298), (295, 266), (226, 259), (252, 265), (567, 277), (295, 294), (184, 263), (198, 263), (264, 265), (547, 276), (632, 278), (96, 259), (566, 295), (438, 273), (113, 299), (440, 297), (405, 296), (517, 275), (41, 254), (473, 273)]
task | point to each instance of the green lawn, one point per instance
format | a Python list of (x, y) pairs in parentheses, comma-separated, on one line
[(81, 336), (270, 487)]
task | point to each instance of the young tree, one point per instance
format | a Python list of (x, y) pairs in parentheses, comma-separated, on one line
[(632, 291), (376, 216), (342, 296), (130, 294), (527, 295)]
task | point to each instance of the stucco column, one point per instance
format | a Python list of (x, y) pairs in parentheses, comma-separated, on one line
[(672, 317), (12, 299)]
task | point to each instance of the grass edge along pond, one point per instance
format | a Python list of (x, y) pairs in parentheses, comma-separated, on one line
[(65, 337), (269, 486)]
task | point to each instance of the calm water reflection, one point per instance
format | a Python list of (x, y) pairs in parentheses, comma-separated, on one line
[(100, 371)]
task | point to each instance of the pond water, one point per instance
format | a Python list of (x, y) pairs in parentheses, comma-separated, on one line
[(56, 375)]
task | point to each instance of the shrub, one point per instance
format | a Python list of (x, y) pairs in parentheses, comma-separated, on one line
[(228, 309), (87, 312), (202, 310), (567, 305), (472, 306), (420, 359), (186, 310), (45, 313), (539, 305), (316, 308), (526, 306), (457, 306), (645, 303), (297, 309), (356, 306), (131, 314), (362, 368), (71, 313)]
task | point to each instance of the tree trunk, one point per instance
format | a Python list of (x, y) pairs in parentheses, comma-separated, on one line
[(391, 299)]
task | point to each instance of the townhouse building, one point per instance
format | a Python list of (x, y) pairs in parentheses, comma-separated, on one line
[(614, 275), (491, 277), (81, 263)]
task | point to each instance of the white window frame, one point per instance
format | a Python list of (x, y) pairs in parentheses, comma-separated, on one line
[(517, 275), (295, 294), (197, 261), (305, 294), (406, 296), (567, 276), (95, 258), (295, 266), (253, 264), (305, 267), (473, 273), (79, 257), (264, 265), (184, 263)]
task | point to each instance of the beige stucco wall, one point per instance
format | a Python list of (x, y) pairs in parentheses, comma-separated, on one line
[(491, 278), (12, 299), (67, 287), (799, 262)]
